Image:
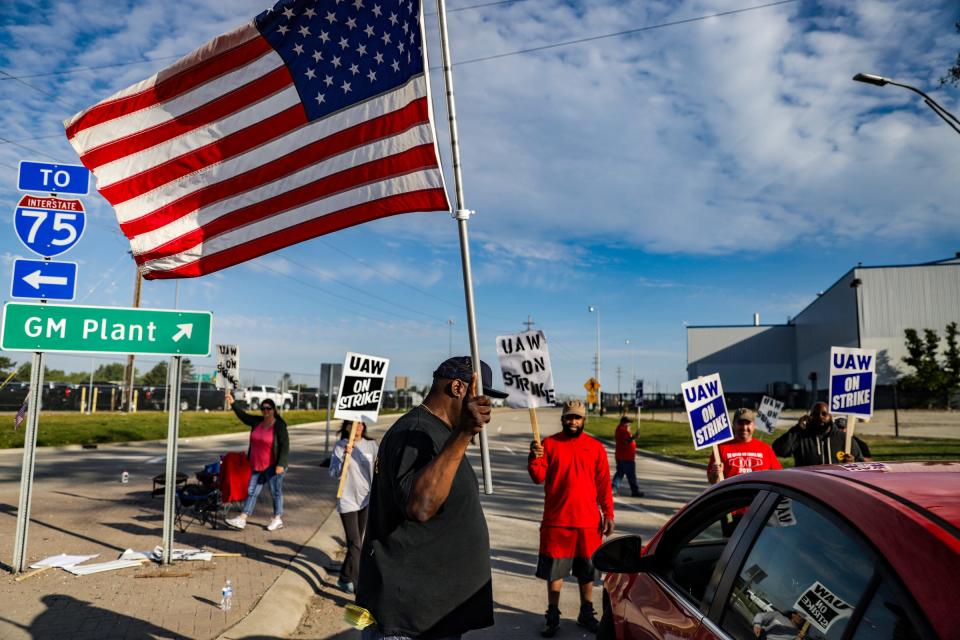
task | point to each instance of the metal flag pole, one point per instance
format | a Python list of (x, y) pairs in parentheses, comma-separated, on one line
[(462, 215)]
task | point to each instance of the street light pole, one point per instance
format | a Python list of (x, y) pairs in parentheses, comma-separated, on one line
[(596, 364), (450, 338), (880, 81), (633, 370)]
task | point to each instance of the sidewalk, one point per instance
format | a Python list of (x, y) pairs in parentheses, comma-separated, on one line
[(80, 507)]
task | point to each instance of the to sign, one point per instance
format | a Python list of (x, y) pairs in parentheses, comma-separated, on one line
[(44, 280), (49, 226), (77, 329), (53, 178), (852, 381), (707, 411)]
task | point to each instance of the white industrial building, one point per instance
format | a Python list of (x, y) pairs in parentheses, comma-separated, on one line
[(869, 307)]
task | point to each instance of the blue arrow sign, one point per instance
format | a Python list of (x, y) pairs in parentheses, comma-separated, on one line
[(49, 226), (44, 279), (53, 178)]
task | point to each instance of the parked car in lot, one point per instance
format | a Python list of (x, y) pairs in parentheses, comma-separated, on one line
[(56, 396), (208, 396), (864, 551), (253, 396)]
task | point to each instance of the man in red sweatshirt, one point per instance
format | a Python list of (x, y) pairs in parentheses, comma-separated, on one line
[(743, 454), (577, 512), (626, 456)]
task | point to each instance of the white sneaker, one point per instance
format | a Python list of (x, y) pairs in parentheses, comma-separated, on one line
[(238, 522), (275, 524)]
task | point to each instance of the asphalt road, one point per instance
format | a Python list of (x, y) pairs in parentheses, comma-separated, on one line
[(513, 516)]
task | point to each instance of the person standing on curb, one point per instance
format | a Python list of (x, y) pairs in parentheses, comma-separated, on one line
[(352, 503), (743, 454), (425, 566), (625, 455), (816, 440), (577, 512), (268, 453)]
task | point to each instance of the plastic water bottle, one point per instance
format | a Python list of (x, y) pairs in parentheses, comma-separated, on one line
[(124, 477), (226, 597)]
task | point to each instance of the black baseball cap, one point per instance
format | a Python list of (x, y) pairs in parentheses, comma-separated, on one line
[(461, 368)]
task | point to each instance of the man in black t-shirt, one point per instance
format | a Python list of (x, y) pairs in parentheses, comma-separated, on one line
[(425, 565)]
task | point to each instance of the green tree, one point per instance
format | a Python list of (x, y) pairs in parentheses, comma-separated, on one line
[(931, 382), (156, 377), (186, 371), (953, 73), (6, 366), (951, 364), (112, 372)]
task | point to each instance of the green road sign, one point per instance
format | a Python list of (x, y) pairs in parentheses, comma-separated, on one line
[(78, 329)]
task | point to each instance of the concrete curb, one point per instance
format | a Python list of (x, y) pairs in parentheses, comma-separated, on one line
[(278, 612)]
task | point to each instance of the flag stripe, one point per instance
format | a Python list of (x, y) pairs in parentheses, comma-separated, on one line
[(426, 200), (224, 105), (191, 71), (412, 160), (180, 166), (373, 130), (227, 168)]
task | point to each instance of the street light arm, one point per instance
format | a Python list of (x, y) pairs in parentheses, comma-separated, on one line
[(880, 81)]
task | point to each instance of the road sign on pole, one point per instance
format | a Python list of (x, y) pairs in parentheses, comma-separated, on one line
[(591, 385), (47, 177), (44, 279), (49, 226), (80, 329)]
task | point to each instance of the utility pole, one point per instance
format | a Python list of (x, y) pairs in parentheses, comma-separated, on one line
[(529, 322), (618, 380), (450, 338), (130, 369)]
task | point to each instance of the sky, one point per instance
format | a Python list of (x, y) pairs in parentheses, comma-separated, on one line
[(697, 169)]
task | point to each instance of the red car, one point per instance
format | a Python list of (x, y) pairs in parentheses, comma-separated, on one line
[(864, 551)]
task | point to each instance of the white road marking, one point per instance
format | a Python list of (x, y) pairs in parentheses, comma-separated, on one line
[(509, 450), (156, 460)]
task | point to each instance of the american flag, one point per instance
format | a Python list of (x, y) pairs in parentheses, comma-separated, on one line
[(21, 413), (313, 117)]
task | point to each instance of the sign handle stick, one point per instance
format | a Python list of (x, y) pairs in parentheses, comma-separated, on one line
[(716, 456), (851, 426), (534, 425), (347, 454)]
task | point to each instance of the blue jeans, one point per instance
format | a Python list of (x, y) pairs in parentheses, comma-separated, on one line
[(626, 468), (257, 480), (373, 633)]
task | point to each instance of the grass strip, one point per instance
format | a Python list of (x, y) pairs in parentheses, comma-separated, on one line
[(674, 439)]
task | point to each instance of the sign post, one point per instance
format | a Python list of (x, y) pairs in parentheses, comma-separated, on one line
[(329, 371), (29, 458), (707, 413), (852, 383), (527, 374), (173, 432), (769, 413)]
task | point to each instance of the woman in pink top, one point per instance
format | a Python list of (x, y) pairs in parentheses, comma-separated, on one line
[(268, 454)]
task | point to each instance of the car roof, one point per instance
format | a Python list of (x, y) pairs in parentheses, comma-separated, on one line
[(932, 485)]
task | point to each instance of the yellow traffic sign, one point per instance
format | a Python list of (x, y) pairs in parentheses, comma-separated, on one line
[(591, 397), (591, 385)]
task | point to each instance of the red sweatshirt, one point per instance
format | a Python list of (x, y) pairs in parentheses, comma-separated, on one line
[(577, 477), (626, 450), (745, 457)]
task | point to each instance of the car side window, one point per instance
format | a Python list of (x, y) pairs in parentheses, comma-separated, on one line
[(802, 578), (885, 619), (690, 562)]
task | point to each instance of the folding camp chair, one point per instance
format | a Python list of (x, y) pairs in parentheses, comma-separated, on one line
[(219, 494)]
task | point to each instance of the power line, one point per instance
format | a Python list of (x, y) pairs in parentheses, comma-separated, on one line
[(616, 34)]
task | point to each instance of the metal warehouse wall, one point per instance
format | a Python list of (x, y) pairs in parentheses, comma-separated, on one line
[(908, 297), (830, 320), (746, 357)]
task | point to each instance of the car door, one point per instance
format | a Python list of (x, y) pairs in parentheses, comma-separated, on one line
[(671, 601), (805, 573)]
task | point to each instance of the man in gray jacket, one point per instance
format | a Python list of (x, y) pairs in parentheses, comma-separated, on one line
[(816, 440)]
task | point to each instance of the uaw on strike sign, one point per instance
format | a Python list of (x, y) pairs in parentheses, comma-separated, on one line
[(707, 411), (852, 381), (821, 606), (527, 375), (361, 388)]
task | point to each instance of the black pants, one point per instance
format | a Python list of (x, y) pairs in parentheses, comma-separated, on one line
[(354, 524)]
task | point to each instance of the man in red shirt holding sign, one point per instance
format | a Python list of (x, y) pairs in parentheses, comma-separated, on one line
[(743, 454), (577, 511)]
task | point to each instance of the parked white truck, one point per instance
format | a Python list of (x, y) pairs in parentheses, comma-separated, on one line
[(252, 396)]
